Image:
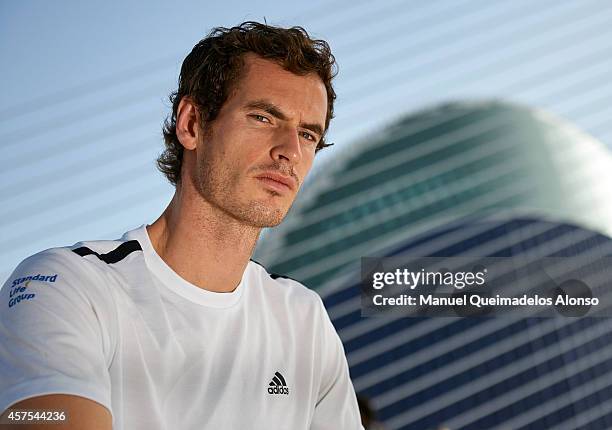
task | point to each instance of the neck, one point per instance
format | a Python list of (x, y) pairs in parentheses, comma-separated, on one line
[(203, 244)]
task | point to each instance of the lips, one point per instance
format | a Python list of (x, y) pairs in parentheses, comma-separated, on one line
[(277, 181)]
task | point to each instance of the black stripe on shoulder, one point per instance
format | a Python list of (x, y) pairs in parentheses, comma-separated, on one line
[(273, 275), (114, 256), (276, 276), (258, 263)]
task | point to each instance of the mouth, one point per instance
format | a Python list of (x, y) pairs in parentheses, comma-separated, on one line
[(277, 182)]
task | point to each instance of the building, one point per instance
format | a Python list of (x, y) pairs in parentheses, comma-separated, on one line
[(486, 179)]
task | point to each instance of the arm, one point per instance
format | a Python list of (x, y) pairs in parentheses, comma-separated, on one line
[(80, 412), (336, 407), (54, 341)]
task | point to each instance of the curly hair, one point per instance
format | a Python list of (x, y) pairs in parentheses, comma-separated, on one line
[(214, 66)]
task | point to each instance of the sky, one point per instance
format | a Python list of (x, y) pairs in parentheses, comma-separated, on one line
[(84, 89)]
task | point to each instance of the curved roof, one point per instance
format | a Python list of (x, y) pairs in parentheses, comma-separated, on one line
[(437, 166)]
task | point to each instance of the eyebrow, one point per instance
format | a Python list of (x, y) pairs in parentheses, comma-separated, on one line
[(275, 111)]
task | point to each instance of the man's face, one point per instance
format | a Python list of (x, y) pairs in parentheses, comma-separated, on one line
[(252, 159)]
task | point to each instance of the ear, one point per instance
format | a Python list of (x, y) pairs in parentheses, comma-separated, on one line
[(187, 123)]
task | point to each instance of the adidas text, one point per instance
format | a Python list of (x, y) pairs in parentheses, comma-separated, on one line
[(278, 390)]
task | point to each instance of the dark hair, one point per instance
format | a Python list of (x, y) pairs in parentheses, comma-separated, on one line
[(214, 66)]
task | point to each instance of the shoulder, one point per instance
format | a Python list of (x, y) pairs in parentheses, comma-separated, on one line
[(47, 267), (285, 287), (80, 270), (81, 259)]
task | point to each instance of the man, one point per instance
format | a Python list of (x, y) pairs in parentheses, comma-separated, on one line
[(172, 326)]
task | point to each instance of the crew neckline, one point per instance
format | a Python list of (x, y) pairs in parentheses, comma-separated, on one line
[(175, 282)]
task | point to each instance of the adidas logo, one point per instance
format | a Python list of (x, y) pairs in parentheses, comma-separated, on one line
[(278, 385)]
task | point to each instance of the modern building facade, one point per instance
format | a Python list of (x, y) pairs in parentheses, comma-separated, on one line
[(482, 179)]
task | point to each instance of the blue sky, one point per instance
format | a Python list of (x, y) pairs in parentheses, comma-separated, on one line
[(85, 89)]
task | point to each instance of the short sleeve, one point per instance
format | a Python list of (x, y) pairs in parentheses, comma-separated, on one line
[(336, 406), (52, 337)]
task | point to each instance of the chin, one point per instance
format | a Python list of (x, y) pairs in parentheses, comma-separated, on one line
[(268, 220), (261, 215)]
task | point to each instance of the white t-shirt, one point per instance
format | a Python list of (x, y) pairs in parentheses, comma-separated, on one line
[(110, 321)]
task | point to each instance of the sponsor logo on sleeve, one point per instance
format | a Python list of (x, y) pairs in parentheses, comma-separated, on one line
[(19, 291)]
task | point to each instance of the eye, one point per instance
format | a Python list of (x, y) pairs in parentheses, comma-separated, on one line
[(308, 136), (260, 118)]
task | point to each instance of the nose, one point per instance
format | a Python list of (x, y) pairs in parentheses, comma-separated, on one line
[(287, 146)]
